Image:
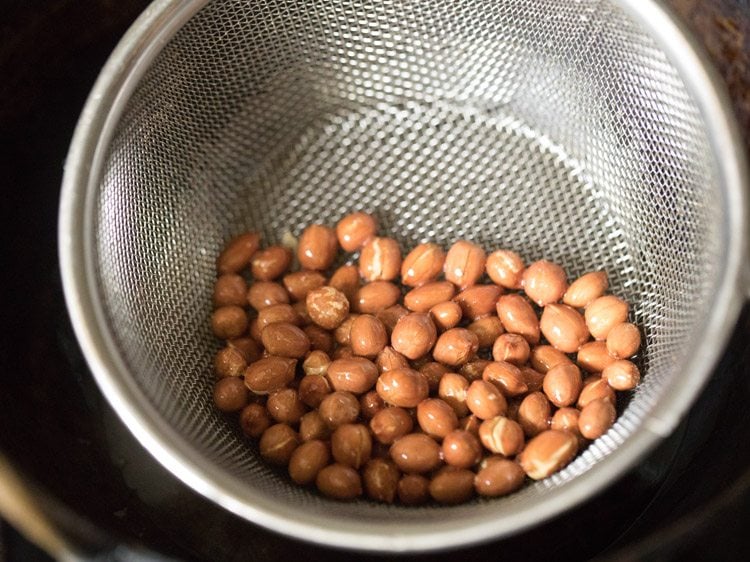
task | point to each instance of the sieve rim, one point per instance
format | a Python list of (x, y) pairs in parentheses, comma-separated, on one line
[(122, 71)]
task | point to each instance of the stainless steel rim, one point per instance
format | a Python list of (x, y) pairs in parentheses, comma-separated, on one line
[(133, 55)]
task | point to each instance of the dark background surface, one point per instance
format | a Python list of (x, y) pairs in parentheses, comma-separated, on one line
[(690, 498)]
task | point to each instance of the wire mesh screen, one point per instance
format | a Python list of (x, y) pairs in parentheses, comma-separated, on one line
[(557, 129)]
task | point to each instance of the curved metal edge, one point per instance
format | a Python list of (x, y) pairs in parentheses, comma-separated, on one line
[(145, 38)]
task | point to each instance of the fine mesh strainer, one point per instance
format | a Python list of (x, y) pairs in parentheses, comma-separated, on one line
[(589, 132)]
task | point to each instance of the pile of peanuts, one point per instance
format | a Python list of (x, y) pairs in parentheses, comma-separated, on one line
[(444, 386)]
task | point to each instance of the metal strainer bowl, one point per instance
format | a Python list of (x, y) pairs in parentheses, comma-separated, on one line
[(589, 132)]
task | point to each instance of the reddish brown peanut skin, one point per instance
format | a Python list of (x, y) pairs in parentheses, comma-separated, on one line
[(230, 289), (464, 264), (368, 336), (415, 453), (413, 489), (277, 444), (414, 335), (461, 448), (356, 375), (327, 307), (436, 418), (605, 313), (563, 327), (505, 268), (446, 315), (622, 375), (229, 322), (262, 294), (391, 423), (485, 401), (370, 404), (511, 348), (230, 394), (380, 260), (544, 282), (390, 359), (351, 444), (562, 385), (423, 264), (487, 329), (354, 230), (316, 363), (473, 369), (346, 280), (452, 390), (390, 316), (247, 346), (313, 389), (320, 338), (339, 408), (278, 313), (544, 357), (300, 283), (433, 372), (502, 435), (270, 263), (596, 418), (339, 481), (456, 346), (285, 406), (403, 387), (229, 362), (380, 477), (593, 357), (452, 485), (506, 377), (285, 340), (317, 247), (534, 414), (593, 389), (533, 379), (238, 253), (307, 461), (254, 420), (566, 419), (623, 341), (499, 478), (586, 288), (269, 374), (423, 298), (547, 453), (312, 426), (373, 297), (518, 317), (478, 301)]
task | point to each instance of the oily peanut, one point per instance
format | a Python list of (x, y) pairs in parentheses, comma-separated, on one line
[(313, 389), (229, 362), (285, 406), (278, 313), (269, 374), (380, 259), (317, 247), (544, 357), (230, 289), (312, 426), (499, 478), (391, 423), (343, 352), (605, 313), (533, 379), (563, 327), (277, 444), (300, 307), (403, 387), (390, 359), (623, 341), (346, 280), (622, 375), (478, 301), (452, 390), (562, 384), (270, 263), (327, 307), (485, 401), (247, 346), (566, 419), (254, 420), (351, 444), (414, 335), (471, 424), (339, 482), (594, 388), (390, 316), (423, 298), (262, 294), (354, 230), (254, 332), (586, 288), (413, 489), (474, 369), (452, 485), (534, 414), (518, 317), (436, 418), (229, 322), (455, 346), (343, 332), (373, 297), (461, 448), (505, 268), (511, 348), (501, 435), (230, 394), (339, 408), (415, 453), (423, 264), (237, 254), (464, 264), (370, 403), (316, 363), (285, 340), (355, 374), (446, 315), (544, 282), (368, 336), (320, 339), (547, 453), (596, 418), (307, 461), (593, 357), (380, 477), (506, 377), (487, 329), (433, 372), (300, 283)]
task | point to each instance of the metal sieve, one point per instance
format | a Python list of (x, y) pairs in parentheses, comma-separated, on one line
[(590, 132)]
